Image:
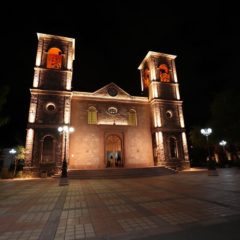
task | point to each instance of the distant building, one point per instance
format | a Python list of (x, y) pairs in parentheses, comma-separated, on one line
[(112, 128)]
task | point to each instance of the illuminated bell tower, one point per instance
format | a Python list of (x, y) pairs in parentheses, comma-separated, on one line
[(50, 101), (159, 81)]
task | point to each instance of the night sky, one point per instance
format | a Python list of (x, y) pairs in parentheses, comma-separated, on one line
[(112, 38)]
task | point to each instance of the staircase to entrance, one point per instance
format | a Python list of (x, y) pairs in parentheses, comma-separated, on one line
[(119, 173)]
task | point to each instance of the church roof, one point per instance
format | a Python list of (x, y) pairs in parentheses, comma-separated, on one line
[(110, 91), (155, 54)]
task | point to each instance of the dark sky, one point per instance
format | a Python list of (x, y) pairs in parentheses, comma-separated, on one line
[(112, 38)]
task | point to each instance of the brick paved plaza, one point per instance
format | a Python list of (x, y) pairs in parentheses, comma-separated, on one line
[(187, 205)]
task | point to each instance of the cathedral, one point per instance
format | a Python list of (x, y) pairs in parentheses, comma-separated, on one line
[(112, 129)]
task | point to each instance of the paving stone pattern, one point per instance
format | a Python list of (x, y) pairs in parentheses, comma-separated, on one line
[(101, 209)]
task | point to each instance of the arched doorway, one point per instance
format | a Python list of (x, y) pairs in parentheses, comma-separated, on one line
[(113, 151), (173, 147), (47, 153)]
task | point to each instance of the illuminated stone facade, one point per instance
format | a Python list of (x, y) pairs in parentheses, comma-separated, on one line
[(112, 128)]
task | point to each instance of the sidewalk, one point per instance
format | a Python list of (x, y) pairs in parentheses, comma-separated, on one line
[(180, 206)]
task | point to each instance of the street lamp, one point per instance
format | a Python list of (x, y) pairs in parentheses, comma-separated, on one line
[(13, 152), (65, 130), (206, 132), (223, 144)]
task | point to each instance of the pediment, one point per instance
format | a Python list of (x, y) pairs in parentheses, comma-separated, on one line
[(111, 90)]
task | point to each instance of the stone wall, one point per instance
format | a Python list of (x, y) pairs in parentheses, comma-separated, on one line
[(87, 143)]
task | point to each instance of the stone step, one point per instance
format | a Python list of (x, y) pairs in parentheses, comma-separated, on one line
[(118, 173)]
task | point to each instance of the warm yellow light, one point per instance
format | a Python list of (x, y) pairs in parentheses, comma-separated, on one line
[(164, 73), (36, 78), (38, 58), (157, 116), (185, 149), (29, 145), (152, 72), (177, 93), (54, 61), (20, 179), (71, 129), (155, 90), (66, 129), (181, 117), (71, 55), (160, 148), (56, 51), (141, 76), (174, 72), (67, 111), (69, 81), (111, 121), (32, 112)]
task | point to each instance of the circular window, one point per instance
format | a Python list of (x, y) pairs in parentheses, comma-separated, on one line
[(50, 107), (169, 114), (112, 110), (112, 91)]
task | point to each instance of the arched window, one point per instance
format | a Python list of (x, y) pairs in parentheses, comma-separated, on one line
[(173, 147), (132, 117), (146, 77), (164, 73), (48, 150), (92, 115), (54, 58)]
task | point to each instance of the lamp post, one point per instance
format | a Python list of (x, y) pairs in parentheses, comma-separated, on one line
[(65, 130), (13, 152), (223, 144), (206, 132)]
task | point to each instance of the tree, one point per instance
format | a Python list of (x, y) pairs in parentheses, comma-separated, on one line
[(17, 165), (20, 157), (196, 138), (198, 150), (225, 116), (20, 152), (225, 119)]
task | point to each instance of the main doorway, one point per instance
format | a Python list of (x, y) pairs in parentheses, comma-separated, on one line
[(113, 151)]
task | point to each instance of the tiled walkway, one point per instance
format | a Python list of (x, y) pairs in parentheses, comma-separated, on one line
[(118, 208)]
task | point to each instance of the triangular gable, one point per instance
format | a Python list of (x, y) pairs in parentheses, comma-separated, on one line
[(110, 89)]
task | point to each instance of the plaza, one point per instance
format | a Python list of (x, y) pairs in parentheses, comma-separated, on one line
[(185, 205)]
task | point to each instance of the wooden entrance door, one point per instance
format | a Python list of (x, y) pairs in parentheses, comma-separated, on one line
[(113, 151)]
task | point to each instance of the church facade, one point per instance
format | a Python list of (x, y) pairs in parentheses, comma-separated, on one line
[(112, 128)]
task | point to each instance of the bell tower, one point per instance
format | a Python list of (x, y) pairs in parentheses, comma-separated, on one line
[(50, 102), (159, 82)]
